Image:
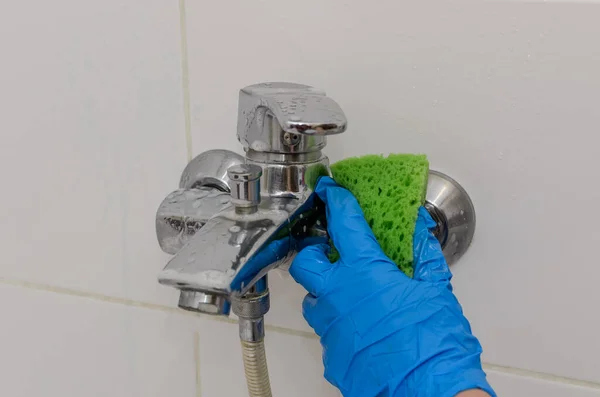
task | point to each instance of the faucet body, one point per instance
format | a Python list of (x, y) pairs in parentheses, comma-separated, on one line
[(235, 218)]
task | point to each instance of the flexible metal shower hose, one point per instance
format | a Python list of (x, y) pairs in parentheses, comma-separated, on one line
[(255, 366)]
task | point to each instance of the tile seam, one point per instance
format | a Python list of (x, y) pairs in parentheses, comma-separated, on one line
[(272, 328), (185, 80)]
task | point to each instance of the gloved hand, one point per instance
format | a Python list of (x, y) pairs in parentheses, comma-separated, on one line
[(384, 334)]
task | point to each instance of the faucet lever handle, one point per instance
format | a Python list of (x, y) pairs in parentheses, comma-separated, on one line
[(268, 109)]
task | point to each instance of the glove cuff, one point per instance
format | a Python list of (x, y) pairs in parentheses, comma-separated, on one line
[(471, 379)]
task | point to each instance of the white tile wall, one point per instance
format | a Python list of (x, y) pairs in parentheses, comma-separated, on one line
[(92, 137), (63, 345), (92, 140), (59, 345)]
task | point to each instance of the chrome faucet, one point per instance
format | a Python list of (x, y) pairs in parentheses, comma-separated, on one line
[(234, 218)]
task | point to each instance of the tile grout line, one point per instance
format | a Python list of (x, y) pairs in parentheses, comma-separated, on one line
[(109, 299), (197, 361), (143, 305), (291, 331), (273, 328), (185, 80), (525, 373)]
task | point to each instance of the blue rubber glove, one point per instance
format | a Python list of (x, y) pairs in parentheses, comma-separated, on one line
[(384, 334)]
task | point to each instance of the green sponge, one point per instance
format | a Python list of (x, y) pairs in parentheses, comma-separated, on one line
[(390, 191)]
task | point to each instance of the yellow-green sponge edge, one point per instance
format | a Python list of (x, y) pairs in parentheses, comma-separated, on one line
[(390, 191)]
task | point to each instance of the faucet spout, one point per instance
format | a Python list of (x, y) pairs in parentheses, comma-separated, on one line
[(232, 253)]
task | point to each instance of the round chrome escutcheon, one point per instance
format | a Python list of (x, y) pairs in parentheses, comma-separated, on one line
[(452, 209)]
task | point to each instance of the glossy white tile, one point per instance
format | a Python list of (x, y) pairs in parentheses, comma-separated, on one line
[(286, 302), (92, 140), (500, 96), (58, 345)]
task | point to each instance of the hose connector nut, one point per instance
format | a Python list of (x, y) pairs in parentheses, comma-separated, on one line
[(251, 311)]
